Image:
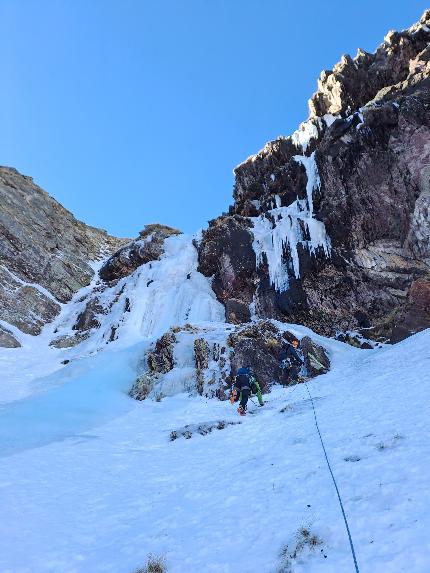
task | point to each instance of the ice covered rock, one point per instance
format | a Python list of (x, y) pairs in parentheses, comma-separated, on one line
[(149, 247), (159, 360)]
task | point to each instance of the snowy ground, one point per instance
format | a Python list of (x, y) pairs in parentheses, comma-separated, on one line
[(90, 483)]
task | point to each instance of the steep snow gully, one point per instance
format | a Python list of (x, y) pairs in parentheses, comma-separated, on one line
[(91, 481)]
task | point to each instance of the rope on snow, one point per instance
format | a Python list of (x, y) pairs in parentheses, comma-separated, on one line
[(334, 482)]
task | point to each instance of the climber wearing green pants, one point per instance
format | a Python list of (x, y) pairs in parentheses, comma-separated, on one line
[(245, 383)]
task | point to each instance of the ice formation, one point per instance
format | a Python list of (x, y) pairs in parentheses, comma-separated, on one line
[(283, 228)]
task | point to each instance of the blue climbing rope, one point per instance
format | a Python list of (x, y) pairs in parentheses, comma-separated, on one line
[(335, 484)]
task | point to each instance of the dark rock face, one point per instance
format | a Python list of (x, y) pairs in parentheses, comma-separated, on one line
[(257, 345), (364, 177), (226, 254), (149, 247), (88, 317), (270, 172), (416, 313), (45, 253), (316, 360)]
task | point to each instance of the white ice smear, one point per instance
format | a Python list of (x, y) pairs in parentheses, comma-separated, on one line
[(287, 227), (303, 135), (158, 295)]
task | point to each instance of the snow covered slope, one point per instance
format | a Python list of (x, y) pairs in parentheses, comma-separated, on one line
[(138, 308), (90, 481)]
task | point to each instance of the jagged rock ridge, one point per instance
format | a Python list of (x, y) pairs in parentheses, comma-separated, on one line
[(347, 200)]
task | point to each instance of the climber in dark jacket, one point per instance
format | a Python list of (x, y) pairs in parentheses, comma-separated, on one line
[(245, 384), (291, 362)]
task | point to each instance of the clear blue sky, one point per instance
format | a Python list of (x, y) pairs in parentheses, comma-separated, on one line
[(131, 112)]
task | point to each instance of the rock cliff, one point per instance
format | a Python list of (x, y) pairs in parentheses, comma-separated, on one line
[(330, 226), (45, 254)]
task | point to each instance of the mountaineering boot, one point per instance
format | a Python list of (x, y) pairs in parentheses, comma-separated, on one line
[(241, 410)]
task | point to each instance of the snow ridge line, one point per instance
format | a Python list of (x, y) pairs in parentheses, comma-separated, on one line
[(335, 484)]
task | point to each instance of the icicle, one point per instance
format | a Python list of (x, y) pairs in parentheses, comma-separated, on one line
[(272, 239)]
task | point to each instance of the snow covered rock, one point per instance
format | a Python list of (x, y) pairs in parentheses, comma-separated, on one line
[(7, 339), (45, 253), (185, 359), (161, 359), (149, 247), (87, 319), (25, 306), (67, 341), (157, 361)]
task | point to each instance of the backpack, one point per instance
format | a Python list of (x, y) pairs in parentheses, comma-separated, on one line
[(243, 379)]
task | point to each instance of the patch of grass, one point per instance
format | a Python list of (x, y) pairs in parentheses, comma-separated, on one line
[(304, 539), (154, 564)]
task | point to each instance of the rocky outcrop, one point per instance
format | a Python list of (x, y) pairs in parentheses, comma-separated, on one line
[(257, 346), (161, 359), (205, 361), (354, 82), (45, 253), (416, 313), (88, 318), (156, 362), (67, 341), (356, 340), (25, 306), (7, 339), (149, 247), (227, 255), (316, 360), (344, 202)]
